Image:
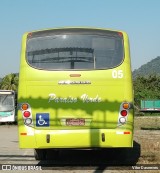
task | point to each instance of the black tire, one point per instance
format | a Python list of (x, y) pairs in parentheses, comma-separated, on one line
[(52, 154), (40, 154)]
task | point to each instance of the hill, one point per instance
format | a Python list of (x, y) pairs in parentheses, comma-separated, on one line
[(150, 68)]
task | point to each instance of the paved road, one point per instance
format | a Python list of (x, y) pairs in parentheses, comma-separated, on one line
[(146, 151)]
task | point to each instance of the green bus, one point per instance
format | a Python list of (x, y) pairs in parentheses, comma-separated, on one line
[(75, 90)]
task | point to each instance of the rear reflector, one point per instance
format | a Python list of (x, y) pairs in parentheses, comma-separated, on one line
[(23, 134), (123, 133)]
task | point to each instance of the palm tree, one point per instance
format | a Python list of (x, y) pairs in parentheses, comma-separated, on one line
[(10, 82)]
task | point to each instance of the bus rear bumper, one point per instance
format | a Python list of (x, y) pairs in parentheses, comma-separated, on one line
[(86, 138)]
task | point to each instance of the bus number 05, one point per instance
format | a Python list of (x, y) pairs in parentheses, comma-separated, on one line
[(117, 73)]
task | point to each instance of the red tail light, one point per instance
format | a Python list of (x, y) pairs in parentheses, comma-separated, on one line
[(26, 114), (124, 113)]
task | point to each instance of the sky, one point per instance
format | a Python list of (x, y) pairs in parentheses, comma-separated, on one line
[(139, 18)]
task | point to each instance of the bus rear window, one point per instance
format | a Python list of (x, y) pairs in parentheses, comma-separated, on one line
[(75, 50)]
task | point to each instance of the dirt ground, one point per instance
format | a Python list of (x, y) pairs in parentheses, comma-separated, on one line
[(147, 137), (147, 122)]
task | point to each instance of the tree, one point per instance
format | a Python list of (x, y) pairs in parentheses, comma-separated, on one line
[(10, 82), (146, 88)]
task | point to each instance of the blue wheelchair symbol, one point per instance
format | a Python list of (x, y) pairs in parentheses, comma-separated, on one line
[(42, 119)]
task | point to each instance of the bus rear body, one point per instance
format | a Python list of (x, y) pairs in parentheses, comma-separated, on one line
[(75, 89)]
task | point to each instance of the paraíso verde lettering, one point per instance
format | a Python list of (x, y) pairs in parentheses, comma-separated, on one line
[(85, 98)]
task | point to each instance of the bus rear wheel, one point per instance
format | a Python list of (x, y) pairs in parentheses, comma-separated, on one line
[(40, 154)]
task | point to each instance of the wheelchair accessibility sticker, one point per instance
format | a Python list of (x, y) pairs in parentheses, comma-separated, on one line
[(42, 119)]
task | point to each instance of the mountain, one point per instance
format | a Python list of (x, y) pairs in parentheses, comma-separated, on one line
[(150, 68)]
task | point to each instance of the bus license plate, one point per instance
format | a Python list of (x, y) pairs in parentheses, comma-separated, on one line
[(75, 122)]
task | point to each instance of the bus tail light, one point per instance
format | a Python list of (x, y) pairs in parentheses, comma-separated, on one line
[(126, 105), (122, 120), (28, 121), (124, 113), (24, 106), (26, 114)]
